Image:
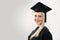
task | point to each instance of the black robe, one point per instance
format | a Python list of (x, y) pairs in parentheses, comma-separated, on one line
[(44, 34)]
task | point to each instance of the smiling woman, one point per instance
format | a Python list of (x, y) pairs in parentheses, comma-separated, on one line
[(41, 32), (39, 17)]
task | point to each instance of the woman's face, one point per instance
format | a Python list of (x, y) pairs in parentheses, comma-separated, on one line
[(38, 17)]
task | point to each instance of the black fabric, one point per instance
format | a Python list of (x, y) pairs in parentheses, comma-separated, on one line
[(44, 35), (40, 7)]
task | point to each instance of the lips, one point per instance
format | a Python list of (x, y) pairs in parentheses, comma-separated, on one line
[(38, 21)]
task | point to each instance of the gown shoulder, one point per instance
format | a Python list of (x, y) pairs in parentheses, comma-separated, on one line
[(45, 34)]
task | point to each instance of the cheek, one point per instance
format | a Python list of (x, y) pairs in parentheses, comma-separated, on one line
[(34, 19), (41, 19)]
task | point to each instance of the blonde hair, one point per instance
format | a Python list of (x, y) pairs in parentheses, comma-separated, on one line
[(36, 34)]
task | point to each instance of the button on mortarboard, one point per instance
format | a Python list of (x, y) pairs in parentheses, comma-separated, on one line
[(40, 7)]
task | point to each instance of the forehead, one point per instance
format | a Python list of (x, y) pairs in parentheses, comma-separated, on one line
[(38, 13)]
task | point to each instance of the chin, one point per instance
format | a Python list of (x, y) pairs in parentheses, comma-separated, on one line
[(38, 23)]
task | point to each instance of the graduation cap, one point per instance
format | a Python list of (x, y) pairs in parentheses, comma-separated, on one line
[(40, 7)]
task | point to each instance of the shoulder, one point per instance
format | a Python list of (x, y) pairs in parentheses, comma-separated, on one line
[(47, 34), (46, 31)]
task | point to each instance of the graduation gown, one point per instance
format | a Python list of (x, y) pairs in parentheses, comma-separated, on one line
[(44, 34)]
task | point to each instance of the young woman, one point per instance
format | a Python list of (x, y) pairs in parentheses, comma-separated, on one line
[(41, 32)]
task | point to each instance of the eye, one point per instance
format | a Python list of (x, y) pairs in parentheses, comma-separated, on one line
[(35, 15), (40, 16)]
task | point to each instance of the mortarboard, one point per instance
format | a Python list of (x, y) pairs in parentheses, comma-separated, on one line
[(40, 7)]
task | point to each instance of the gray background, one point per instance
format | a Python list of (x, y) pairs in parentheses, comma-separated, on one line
[(17, 20)]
